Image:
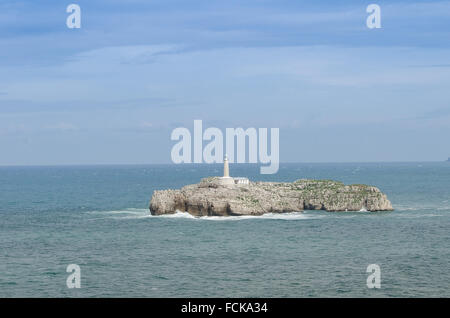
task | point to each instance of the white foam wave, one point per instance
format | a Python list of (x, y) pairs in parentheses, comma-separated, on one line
[(145, 213), (268, 216), (125, 211), (130, 213), (133, 213)]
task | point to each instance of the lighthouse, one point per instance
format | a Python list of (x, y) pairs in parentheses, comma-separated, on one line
[(226, 180), (226, 168), (229, 181)]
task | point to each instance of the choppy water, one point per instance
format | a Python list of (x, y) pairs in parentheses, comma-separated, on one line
[(97, 217)]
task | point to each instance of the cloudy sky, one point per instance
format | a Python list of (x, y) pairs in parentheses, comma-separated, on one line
[(112, 91)]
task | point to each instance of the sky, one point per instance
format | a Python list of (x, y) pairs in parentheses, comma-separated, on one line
[(112, 91)]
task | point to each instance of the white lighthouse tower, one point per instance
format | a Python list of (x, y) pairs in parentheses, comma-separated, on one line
[(226, 168), (226, 179)]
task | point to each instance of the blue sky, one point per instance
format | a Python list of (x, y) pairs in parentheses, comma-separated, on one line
[(112, 91)]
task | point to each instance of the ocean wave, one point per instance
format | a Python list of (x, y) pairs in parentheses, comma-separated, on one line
[(124, 211), (133, 213), (130, 213), (266, 216)]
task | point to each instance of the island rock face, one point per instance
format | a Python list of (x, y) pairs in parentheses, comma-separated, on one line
[(211, 197)]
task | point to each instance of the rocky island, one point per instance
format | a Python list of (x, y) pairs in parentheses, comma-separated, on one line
[(226, 196)]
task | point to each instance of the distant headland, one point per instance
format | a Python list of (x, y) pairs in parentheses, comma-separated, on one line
[(226, 196)]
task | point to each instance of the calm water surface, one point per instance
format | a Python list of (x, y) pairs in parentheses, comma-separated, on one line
[(97, 217)]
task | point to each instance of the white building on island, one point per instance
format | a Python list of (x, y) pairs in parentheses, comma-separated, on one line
[(227, 180)]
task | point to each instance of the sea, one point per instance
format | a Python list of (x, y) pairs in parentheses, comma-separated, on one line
[(97, 217)]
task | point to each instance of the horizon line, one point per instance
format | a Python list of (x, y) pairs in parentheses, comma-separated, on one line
[(216, 163)]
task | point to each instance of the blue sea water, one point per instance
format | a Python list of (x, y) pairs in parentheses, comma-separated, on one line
[(97, 217)]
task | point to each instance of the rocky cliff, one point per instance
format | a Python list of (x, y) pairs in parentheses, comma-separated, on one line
[(210, 197)]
